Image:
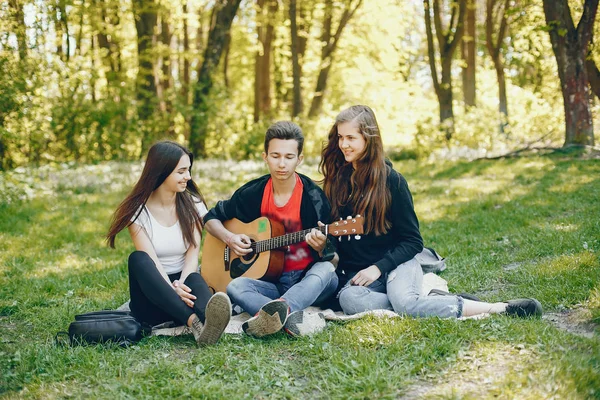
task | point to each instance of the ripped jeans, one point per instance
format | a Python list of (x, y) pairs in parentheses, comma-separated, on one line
[(399, 291), (318, 284)]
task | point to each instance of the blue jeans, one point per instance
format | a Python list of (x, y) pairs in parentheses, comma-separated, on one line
[(399, 291), (318, 284)]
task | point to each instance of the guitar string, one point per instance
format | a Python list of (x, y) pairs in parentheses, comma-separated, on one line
[(282, 241)]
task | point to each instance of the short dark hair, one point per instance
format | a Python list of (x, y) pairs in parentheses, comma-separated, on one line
[(285, 130)]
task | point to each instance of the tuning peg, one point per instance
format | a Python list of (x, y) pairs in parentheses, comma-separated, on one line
[(357, 237), (339, 238), (349, 217), (348, 238), (357, 215)]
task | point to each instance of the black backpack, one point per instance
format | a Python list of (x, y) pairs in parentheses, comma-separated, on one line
[(106, 326)]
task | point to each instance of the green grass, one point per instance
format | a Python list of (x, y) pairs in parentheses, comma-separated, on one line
[(524, 227)]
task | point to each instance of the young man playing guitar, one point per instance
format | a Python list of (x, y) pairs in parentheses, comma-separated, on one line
[(298, 203)]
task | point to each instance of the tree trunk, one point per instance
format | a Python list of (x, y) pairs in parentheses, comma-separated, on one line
[(496, 11), (448, 40), (145, 14), (330, 43), (166, 81), (186, 55), (469, 49), (61, 19), (227, 50), (265, 81), (262, 67), (592, 70), (297, 98), (593, 76), (19, 16), (570, 45), (258, 65), (225, 12), (93, 79), (104, 43), (58, 31)]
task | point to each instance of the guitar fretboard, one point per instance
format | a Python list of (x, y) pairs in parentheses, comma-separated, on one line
[(284, 240)]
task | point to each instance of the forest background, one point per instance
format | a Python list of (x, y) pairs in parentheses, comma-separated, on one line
[(87, 85), (91, 80)]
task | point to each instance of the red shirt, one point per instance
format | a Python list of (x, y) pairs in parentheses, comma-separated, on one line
[(299, 255)]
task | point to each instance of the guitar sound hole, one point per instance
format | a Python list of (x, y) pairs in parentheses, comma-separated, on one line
[(240, 265)]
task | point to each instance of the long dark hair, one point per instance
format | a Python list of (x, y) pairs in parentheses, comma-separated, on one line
[(162, 159), (368, 194)]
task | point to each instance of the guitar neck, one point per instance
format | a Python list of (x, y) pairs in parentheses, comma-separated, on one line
[(284, 240)]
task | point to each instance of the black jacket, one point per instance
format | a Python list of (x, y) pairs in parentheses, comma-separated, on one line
[(245, 204), (399, 245)]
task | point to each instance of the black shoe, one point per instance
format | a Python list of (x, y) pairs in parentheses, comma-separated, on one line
[(467, 296), (524, 308)]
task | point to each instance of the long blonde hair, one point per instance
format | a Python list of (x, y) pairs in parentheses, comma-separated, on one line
[(368, 193)]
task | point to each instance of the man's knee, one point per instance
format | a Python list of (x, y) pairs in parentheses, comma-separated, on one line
[(350, 299), (238, 286), (233, 287), (325, 271)]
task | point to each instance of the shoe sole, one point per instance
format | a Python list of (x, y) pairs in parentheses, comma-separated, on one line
[(297, 318), (270, 319), (218, 315), (291, 325)]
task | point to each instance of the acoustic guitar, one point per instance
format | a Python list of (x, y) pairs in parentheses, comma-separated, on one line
[(220, 265)]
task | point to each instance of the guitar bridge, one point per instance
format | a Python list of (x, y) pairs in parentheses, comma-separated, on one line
[(226, 258)]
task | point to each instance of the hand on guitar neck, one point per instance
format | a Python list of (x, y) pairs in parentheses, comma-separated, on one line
[(316, 239)]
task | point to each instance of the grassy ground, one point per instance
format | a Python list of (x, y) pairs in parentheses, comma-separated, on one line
[(524, 227)]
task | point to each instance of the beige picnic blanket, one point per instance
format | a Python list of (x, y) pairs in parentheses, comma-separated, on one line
[(430, 281)]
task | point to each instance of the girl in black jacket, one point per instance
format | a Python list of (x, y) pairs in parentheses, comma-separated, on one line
[(380, 271)]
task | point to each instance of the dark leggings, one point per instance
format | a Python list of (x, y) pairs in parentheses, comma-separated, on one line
[(154, 301)]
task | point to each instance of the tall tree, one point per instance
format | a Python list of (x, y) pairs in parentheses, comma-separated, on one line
[(105, 23), (146, 17), (266, 10), (447, 40), (19, 26), (297, 90), (594, 76), (185, 73), (592, 69), (62, 29), (570, 45), (330, 39), (166, 78), (497, 21), (469, 52), (224, 13)]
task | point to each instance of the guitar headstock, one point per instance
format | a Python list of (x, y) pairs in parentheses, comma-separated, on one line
[(349, 226)]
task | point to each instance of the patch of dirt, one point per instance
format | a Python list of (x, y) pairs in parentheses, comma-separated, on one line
[(476, 374), (575, 321), (511, 266), (481, 371)]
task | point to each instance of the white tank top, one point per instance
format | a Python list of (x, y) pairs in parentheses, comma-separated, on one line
[(168, 242)]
